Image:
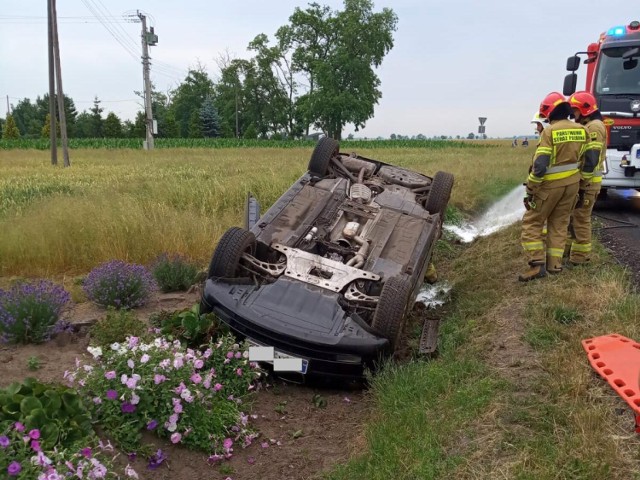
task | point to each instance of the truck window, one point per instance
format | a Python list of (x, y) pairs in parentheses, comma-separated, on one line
[(612, 78)]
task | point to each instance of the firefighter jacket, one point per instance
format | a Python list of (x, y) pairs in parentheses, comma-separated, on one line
[(559, 155), (594, 155)]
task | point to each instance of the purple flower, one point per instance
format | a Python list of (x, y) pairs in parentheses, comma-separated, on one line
[(156, 459), (35, 445), (19, 427), (86, 452), (176, 437), (251, 460), (145, 358), (177, 408), (199, 363), (196, 378), (152, 425), (4, 441), (217, 387), (121, 285), (215, 458), (158, 379), (227, 443), (127, 407), (112, 394), (14, 468), (239, 372), (34, 434), (110, 375), (229, 355)]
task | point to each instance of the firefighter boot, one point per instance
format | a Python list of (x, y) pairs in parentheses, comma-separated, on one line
[(537, 270), (554, 265)]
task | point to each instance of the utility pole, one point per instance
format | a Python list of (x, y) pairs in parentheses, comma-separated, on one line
[(148, 39), (8, 107), (53, 137), (61, 112)]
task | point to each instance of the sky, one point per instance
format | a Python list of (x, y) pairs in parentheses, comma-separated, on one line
[(452, 61)]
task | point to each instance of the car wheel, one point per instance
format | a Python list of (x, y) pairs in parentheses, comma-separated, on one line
[(325, 149), (226, 257), (439, 193), (389, 316)]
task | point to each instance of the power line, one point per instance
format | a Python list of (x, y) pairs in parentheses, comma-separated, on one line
[(96, 14)]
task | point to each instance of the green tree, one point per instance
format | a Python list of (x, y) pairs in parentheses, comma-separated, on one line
[(127, 129), (97, 126), (112, 126), (70, 112), (140, 126), (189, 96), (169, 128), (27, 119), (84, 125), (10, 131), (195, 125), (337, 52), (1, 126), (209, 119), (46, 129), (251, 132)]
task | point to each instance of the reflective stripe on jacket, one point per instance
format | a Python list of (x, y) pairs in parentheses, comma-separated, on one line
[(559, 153), (595, 153)]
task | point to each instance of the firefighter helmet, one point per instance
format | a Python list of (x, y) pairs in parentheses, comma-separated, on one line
[(550, 103), (539, 119), (584, 102)]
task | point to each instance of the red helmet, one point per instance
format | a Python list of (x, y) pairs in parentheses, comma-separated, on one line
[(583, 101), (550, 103)]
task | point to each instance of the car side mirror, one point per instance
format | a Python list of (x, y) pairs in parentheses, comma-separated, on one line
[(570, 83), (573, 63)]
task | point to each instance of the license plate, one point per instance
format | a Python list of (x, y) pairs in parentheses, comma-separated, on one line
[(281, 362)]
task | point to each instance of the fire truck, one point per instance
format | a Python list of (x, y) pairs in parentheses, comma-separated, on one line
[(613, 77)]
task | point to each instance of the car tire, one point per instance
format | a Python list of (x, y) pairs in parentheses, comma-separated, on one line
[(325, 149), (439, 193), (389, 316), (226, 258)]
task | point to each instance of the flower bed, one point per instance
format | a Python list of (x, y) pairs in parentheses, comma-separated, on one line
[(191, 397)]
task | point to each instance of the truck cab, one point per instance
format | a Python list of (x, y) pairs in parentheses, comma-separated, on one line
[(613, 77)]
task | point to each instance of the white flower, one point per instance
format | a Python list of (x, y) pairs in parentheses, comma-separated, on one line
[(145, 347), (135, 399), (115, 346), (130, 472), (123, 379), (122, 350), (95, 351), (130, 363), (157, 342), (172, 427), (145, 358), (185, 394), (87, 368)]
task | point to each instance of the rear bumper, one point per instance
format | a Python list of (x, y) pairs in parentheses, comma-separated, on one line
[(336, 346)]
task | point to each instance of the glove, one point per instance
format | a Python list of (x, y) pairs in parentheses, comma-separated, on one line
[(580, 202), (529, 201)]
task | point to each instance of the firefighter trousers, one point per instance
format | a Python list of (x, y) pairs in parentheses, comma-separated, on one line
[(581, 226), (553, 205)]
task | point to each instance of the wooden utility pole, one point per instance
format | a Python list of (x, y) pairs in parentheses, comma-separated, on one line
[(53, 137), (8, 107), (147, 39), (61, 112)]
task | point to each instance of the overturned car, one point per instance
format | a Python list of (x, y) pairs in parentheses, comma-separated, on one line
[(329, 272)]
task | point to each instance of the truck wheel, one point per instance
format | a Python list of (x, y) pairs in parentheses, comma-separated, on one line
[(389, 316), (226, 257), (321, 156), (439, 193)]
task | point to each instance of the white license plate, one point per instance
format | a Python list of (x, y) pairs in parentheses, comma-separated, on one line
[(281, 362)]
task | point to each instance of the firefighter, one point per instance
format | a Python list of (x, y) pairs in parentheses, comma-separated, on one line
[(586, 113), (540, 122), (552, 188)]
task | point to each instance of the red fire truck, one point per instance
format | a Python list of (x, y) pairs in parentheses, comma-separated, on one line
[(613, 77)]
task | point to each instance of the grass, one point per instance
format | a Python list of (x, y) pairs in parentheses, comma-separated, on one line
[(134, 205)]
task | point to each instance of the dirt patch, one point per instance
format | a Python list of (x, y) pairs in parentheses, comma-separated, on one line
[(324, 435)]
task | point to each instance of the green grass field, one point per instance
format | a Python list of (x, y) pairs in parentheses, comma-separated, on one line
[(510, 394)]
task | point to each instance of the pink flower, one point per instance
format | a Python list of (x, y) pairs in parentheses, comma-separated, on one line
[(35, 445), (238, 355), (180, 388), (239, 372), (196, 378), (177, 408), (178, 363), (133, 341), (34, 434), (131, 383), (198, 364), (173, 418), (229, 355), (251, 460), (207, 353), (97, 400), (19, 427), (145, 358), (217, 387), (227, 443), (130, 363), (110, 375), (158, 379), (207, 382), (264, 444), (176, 437)]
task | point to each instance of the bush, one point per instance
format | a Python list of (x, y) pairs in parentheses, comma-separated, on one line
[(188, 396), (174, 273), (189, 326), (119, 284), (31, 312), (116, 327)]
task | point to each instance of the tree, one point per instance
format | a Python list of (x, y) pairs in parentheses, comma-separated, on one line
[(189, 96), (195, 126), (337, 52), (10, 131), (96, 119), (27, 119), (209, 119), (46, 129), (471, 136), (169, 128), (112, 126), (84, 125), (71, 114), (140, 126), (250, 132), (1, 126)]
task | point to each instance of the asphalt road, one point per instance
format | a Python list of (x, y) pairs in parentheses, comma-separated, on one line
[(617, 224)]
